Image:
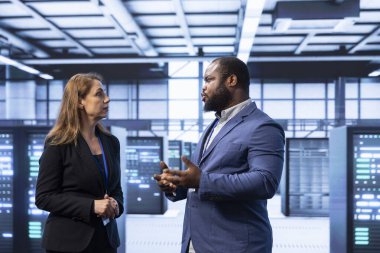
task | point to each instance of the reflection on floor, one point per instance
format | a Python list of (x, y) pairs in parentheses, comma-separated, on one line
[(162, 233)]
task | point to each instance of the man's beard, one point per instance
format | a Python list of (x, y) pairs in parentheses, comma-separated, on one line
[(219, 100)]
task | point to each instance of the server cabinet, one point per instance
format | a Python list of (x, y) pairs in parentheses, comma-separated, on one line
[(21, 222), (6, 191), (143, 194), (175, 153), (305, 190), (355, 190)]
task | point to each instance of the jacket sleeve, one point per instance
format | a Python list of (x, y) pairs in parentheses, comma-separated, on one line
[(49, 196), (117, 193), (261, 180), (180, 194)]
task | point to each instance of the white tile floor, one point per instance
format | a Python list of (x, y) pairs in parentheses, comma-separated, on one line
[(162, 233)]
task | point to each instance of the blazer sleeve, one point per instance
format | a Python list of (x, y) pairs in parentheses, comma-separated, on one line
[(117, 192), (180, 194), (48, 189), (265, 159)]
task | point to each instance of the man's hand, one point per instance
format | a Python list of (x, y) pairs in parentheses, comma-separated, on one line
[(188, 178), (164, 185)]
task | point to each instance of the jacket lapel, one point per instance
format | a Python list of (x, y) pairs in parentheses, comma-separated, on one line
[(199, 150), (88, 161), (106, 150), (231, 124)]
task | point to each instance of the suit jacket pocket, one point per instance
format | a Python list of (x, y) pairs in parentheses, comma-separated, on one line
[(229, 230)]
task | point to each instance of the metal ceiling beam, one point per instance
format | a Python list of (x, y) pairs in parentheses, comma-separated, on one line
[(199, 59), (364, 41), (51, 25), (106, 13), (119, 11), (23, 44), (304, 43), (185, 28)]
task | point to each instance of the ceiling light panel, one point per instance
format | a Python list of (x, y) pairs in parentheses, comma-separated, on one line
[(40, 34), (168, 41), (147, 7), (22, 23), (321, 48), (163, 32), (105, 43), (214, 41), (278, 40), (11, 10), (211, 19), (199, 6), (276, 48), (94, 33), (213, 31), (115, 51), (56, 8), (81, 22), (57, 43), (157, 20), (335, 39)]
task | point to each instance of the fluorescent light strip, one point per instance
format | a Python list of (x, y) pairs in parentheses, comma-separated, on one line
[(374, 73), (252, 15), (23, 67)]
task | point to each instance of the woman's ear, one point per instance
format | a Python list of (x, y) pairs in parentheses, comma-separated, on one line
[(80, 106)]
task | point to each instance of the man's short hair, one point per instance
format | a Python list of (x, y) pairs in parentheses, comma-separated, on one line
[(233, 65)]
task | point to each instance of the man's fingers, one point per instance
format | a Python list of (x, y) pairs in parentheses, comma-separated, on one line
[(157, 177), (187, 162), (176, 180), (163, 165)]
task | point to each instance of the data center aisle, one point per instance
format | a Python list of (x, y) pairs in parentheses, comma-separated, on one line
[(162, 233)]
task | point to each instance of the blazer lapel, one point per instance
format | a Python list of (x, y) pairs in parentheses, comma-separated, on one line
[(88, 161), (231, 124), (200, 147), (106, 149)]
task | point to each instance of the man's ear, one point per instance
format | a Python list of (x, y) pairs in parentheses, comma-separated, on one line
[(232, 80)]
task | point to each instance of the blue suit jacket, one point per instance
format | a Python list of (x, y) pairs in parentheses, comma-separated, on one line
[(241, 169)]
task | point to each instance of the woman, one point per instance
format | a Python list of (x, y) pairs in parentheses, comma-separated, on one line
[(79, 177)]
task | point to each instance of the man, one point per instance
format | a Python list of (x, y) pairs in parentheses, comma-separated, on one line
[(236, 167)]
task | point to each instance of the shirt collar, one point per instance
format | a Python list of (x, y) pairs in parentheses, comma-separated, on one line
[(228, 113)]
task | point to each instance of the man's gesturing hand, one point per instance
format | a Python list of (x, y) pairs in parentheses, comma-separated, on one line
[(164, 185), (188, 178)]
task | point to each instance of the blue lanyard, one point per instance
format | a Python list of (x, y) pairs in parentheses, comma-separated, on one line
[(105, 165)]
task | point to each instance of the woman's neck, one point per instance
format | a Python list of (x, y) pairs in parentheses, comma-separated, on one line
[(87, 129)]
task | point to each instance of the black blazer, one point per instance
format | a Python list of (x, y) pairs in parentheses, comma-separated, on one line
[(68, 183)]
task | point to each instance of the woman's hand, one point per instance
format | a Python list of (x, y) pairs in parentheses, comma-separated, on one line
[(106, 208)]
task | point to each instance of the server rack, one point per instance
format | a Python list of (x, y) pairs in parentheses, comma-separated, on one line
[(175, 154), (19, 154), (355, 190), (143, 194), (305, 190)]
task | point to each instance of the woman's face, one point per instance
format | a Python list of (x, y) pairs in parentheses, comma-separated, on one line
[(95, 103)]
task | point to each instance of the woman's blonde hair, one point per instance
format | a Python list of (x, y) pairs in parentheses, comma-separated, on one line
[(67, 125)]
